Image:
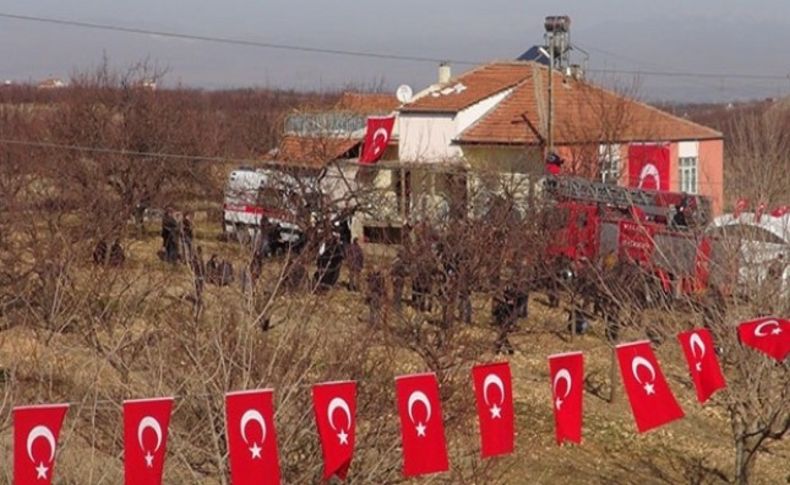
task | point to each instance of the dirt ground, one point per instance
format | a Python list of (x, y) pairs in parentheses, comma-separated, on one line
[(696, 449)]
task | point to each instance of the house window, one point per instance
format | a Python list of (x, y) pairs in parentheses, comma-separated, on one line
[(609, 163), (688, 174)]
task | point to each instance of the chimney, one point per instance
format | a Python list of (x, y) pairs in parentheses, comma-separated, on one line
[(444, 73)]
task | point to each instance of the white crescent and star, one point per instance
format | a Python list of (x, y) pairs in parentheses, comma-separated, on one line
[(382, 133), (335, 404), (149, 422), (562, 375), (37, 432), (256, 416), (649, 170), (415, 397), (758, 329), (638, 362), (495, 380), (695, 342)]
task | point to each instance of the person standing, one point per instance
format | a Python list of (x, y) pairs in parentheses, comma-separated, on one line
[(187, 234), (170, 236), (356, 262)]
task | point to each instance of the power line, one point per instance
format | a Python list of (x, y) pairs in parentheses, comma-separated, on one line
[(366, 54), (233, 41)]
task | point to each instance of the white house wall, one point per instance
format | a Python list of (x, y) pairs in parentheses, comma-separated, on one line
[(427, 137)]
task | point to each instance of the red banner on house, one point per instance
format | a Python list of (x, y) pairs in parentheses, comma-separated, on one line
[(377, 137), (648, 166)]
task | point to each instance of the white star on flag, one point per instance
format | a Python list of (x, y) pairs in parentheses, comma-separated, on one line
[(420, 429), (650, 388), (558, 403), (255, 450), (343, 437), (699, 366), (149, 460), (41, 471), (776, 331), (496, 412)]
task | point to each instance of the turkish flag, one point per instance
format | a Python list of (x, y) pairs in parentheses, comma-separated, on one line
[(494, 395), (770, 336), (145, 424), (567, 386), (740, 206), (252, 441), (36, 430), (648, 166), (758, 213), (377, 137), (422, 428), (780, 211), (651, 399), (335, 406), (702, 362)]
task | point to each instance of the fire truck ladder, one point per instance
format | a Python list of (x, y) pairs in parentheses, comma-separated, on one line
[(596, 192)]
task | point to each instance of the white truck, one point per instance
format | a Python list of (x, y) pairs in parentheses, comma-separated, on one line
[(251, 194)]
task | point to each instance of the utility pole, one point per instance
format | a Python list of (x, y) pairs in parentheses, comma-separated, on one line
[(550, 127)]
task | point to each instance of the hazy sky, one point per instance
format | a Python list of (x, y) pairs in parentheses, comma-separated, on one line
[(721, 36)]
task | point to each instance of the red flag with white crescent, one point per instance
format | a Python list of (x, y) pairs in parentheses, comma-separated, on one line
[(567, 386), (145, 424), (494, 396), (252, 440), (770, 336), (335, 406), (651, 399), (377, 137), (36, 431), (648, 166), (702, 362), (781, 211), (422, 428)]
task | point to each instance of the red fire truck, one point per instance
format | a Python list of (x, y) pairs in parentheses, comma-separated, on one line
[(661, 231)]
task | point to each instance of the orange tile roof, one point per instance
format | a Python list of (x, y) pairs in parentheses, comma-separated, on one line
[(311, 151), (367, 103), (582, 113), (471, 87)]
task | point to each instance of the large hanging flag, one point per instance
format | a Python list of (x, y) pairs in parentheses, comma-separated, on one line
[(651, 399), (145, 424), (648, 166), (494, 396), (567, 386), (702, 362), (335, 406), (377, 137), (252, 441), (36, 431), (770, 336), (422, 428)]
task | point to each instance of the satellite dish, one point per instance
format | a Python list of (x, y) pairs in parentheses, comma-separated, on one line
[(404, 93)]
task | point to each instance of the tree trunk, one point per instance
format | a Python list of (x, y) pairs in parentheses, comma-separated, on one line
[(613, 377)]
